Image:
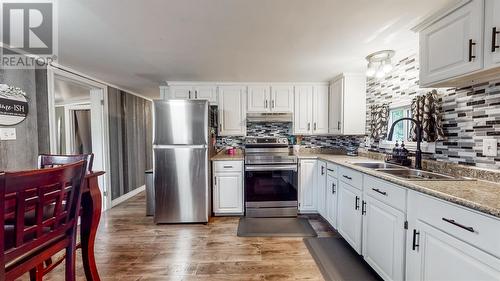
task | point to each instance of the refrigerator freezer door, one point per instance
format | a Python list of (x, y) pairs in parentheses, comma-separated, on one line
[(181, 184), (180, 122)]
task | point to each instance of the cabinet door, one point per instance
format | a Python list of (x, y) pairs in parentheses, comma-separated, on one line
[(282, 99), (258, 98), (181, 92), (228, 193), (349, 215), (384, 239), (331, 200), (335, 107), (440, 256), (302, 122), (321, 188), (492, 34), (320, 110), (206, 93), (232, 110), (446, 47), (307, 186)]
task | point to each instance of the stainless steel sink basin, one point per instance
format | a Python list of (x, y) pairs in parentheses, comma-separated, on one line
[(411, 174), (377, 165)]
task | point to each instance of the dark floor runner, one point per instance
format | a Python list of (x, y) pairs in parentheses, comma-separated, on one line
[(278, 227), (338, 261)]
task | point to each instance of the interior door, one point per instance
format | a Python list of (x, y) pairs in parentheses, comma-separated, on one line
[(303, 110), (447, 47), (258, 98), (282, 99), (492, 33), (335, 107), (320, 110), (384, 239), (439, 256), (349, 215)]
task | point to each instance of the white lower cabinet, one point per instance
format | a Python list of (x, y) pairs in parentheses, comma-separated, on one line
[(227, 189), (321, 188), (449, 242), (383, 238), (331, 200), (349, 219), (308, 186)]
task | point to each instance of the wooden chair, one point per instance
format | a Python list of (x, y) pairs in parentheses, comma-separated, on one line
[(52, 160), (24, 247)]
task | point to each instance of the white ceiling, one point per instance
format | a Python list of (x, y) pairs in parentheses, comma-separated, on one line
[(137, 44)]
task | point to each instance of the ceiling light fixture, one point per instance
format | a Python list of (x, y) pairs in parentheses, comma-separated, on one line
[(380, 63)]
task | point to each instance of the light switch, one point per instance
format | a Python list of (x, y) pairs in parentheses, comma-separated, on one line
[(490, 147), (7, 134)]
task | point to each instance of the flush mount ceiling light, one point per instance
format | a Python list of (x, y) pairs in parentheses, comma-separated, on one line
[(379, 63)]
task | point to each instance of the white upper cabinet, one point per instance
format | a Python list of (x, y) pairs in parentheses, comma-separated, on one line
[(266, 98), (347, 105), (311, 110), (232, 110), (492, 34), (282, 98), (259, 98), (320, 110), (453, 45), (303, 110), (192, 92)]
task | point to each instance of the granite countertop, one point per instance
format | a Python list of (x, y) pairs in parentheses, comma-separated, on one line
[(479, 195), (223, 156)]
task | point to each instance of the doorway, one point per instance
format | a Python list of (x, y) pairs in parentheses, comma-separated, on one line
[(78, 120)]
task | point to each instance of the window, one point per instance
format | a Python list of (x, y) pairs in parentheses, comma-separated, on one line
[(402, 129)]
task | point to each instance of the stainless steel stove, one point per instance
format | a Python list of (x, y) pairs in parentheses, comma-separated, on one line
[(270, 178)]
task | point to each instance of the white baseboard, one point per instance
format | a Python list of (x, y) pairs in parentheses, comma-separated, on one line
[(127, 196)]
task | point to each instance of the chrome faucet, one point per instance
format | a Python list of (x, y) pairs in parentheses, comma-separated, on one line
[(418, 152)]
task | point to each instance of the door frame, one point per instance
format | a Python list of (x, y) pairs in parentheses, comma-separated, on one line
[(101, 90)]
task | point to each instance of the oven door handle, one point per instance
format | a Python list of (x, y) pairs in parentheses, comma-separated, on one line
[(271, 168)]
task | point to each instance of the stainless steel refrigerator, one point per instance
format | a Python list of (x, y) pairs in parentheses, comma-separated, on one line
[(181, 169)]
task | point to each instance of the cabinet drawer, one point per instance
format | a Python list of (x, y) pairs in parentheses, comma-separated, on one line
[(467, 225), (388, 193), (351, 177), (228, 166), (332, 169)]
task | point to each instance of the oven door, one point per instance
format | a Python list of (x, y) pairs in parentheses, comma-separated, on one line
[(271, 190)]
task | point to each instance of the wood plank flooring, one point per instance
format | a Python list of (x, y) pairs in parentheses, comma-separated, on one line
[(130, 246)]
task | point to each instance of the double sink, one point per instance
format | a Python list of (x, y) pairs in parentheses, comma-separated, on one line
[(406, 173)]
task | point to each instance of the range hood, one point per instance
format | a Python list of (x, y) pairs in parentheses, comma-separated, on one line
[(269, 117)]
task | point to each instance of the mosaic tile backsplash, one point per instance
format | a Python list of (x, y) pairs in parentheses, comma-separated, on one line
[(470, 114), (258, 129)]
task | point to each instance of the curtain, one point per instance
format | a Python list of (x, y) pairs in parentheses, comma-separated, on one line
[(427, 110), (378, 121)]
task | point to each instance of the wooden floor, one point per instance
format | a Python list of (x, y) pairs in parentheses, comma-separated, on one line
[(130, 246)]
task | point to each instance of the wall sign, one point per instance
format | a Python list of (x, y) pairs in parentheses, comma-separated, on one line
[(13, 105)]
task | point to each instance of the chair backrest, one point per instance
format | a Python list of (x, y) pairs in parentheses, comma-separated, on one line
[(53, 160), (22, 192)]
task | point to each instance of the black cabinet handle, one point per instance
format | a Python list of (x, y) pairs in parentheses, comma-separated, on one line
[(468, 228), (338, 125), (331, 170), (379, 191), (322, 170), (228, 167), (471, 45), (363, 208), (265, 103), (315, 126), (196, 94), (189, 93), (494, 45), (347, 177), (414, 244), (272, 103), (333, 188), (356, 204)]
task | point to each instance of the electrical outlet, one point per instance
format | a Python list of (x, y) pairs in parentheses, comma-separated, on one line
[(490, 147), (7, 134)]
